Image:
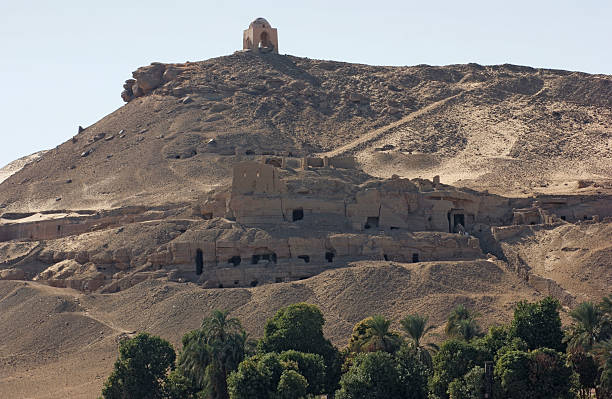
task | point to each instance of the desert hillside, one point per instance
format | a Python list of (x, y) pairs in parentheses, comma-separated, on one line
[(506, 128), (255, 180)]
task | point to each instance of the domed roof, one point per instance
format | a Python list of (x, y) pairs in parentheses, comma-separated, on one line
[(260, 22)]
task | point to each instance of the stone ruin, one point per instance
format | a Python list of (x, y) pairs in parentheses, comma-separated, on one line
[(260, 36)]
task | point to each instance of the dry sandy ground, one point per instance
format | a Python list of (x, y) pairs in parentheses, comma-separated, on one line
[(578, 257), (59, 343), (508, 129)]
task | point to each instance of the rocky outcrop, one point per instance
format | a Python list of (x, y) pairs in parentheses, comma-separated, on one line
[(148, 78)]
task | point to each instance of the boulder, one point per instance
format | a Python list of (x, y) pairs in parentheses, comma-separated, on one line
[(149, 78)]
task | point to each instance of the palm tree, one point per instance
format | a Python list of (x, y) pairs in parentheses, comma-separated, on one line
[(218, 325), (585, 331), (195, 357), (379, 337), (467, 329), (212, 352), (462, 323), (415, 326)]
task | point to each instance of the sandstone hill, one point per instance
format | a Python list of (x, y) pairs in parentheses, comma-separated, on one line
[(362, 189), (18, 164), (506, 128)]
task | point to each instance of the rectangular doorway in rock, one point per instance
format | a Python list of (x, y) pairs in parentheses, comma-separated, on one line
[(329, 256), (199, 261), (371, 222), (458, 219), (415, 258), (297, 214), (235, 260), (270, 257)]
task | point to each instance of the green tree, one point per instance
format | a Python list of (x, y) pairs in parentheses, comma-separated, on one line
[(212, 352), (539, 324), (586, 330), (497, 341), (372, 376), (383, 375), (373, 334), (470, 386), (587, 369), (415, 327), (603, 354), (542, 373), (177, 386), (292, 385), (379, 335), (462, 324), (309, 365), (413, 374), (300, 327), (140, 371), (261, 376), (454, 359)]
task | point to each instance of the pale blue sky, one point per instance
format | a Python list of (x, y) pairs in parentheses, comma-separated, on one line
[(64, 62)]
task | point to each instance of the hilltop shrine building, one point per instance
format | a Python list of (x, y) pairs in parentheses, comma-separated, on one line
[(260, 36)]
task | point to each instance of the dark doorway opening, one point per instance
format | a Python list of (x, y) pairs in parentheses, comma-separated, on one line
[(199, 261), (278, 280), (562, 217), (385, 257), (306, 258), (236, 282), (271, 257), (415, 258), (254, 283), (329, 256), (297, 214), (263, 40), (459, 219), (371, 222), (235, 260), (220, 285)]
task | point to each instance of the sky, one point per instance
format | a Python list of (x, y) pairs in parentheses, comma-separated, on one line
[(63, 63)]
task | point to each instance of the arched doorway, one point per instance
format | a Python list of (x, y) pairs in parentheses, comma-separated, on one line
[(264, 41)]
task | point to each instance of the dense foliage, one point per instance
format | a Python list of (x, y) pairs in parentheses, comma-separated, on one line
[(531, 357), (140, 371)]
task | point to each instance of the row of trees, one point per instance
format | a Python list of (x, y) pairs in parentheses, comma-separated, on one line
[(532, 357)]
